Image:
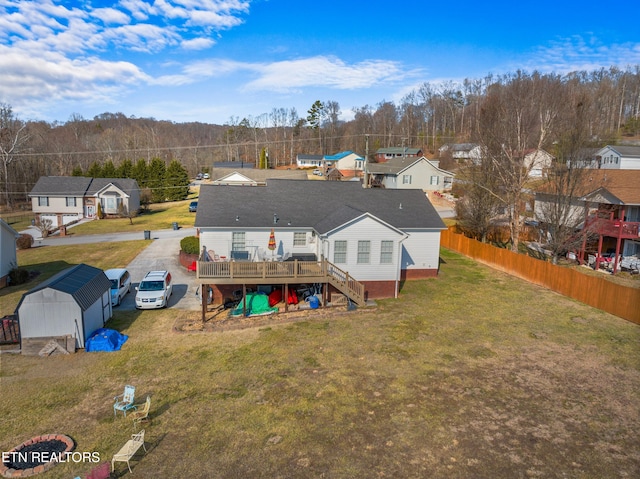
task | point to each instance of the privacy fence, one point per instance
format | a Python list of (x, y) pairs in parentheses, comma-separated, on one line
[(600, 293)]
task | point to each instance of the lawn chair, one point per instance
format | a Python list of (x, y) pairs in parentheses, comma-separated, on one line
[(127, 451), (124, 401), (140, 415)]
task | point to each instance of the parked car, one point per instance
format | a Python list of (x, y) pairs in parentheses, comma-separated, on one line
[(205, 176), (154, 290), (193, 206), (199, 176), (120, 284), (317, 172)]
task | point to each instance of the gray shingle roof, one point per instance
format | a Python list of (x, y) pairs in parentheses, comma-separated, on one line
[(83, 282), (126, 185), (259, 175), (321, 205), (61, 185), (78, 185)]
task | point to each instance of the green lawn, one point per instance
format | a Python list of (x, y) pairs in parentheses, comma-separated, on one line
[(472, 374)]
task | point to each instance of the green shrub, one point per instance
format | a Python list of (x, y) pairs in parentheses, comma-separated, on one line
[(190, 245), (24, 241), (18, 275)]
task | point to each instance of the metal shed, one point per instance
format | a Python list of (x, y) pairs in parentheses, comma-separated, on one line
[(72, 304)]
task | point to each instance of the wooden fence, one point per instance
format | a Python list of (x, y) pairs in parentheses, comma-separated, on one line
[(622, 301)]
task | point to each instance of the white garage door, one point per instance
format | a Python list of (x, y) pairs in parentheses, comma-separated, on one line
[(66, 219), (52, 218)]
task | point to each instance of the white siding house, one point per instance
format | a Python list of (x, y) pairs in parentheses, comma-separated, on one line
[(348, 163), (65, 199), (618, 157), (8, 256), (410, 173), (379, 237)]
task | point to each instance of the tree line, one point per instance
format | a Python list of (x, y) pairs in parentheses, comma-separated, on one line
[(506, 113)]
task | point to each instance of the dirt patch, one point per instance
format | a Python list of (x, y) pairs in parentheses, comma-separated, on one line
[(221, 320)]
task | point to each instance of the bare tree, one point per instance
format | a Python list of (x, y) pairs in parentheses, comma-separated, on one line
[(558, 206), (13, 136)]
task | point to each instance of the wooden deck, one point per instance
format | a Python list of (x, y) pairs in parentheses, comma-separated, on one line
[(280, 272)]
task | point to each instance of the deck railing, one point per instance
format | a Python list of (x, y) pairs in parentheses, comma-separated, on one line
[(282, 270), (615, 228)]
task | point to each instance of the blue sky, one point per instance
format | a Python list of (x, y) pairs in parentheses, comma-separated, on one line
[(214, 60)]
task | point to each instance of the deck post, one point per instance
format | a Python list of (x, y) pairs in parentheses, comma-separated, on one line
[(286, 297), (204, 288), (244, 299)]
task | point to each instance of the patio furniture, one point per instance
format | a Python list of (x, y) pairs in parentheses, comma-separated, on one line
[(127, 451), (124, 401), (142, 414)]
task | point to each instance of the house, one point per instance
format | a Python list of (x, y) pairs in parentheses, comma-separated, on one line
[(386, 154), (339, 232), (253, 176), (8, 256), (609, 204), (66, 199), (462, 152), (348, 163), (409, 173), (308, 161), (618, 157), (67, 307), (537, 162)]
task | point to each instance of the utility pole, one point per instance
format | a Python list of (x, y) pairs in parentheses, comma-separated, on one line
[(366, 162)]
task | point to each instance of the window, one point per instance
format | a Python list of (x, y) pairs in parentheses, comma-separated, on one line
[(406, 179), (71, 201), (340, 252), (43, 201), (364, 250), (299, 239), (435, 180), (238, 241), (386, 252)]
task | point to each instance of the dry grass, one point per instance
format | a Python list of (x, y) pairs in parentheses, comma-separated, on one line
[(474, 374)]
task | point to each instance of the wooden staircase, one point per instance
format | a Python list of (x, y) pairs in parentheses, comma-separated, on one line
[(350, 287)]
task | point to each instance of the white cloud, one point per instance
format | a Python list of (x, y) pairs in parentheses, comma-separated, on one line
[(111, 16), (198, 44), (326, 72), (582, 54)]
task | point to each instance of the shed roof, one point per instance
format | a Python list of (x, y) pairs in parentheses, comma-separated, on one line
[(83, 282), (315, 204)]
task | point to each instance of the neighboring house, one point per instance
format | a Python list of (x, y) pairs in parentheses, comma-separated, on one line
[(376, 237), (8, 256), (386, 154), (409, 173), (308, 161), (66, 199), (253, 177), (609, 204), (618, 157), (348, 163), (71, 305), (537, 162), (462, 151)]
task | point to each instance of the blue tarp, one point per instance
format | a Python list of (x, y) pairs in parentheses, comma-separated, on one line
[(105, 340)]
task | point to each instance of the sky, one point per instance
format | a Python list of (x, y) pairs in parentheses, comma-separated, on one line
[(219, 61)]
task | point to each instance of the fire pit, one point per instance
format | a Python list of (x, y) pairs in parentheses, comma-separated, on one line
[(38, 454)]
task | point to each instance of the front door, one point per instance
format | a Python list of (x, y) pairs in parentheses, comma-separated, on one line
[(91, 211)]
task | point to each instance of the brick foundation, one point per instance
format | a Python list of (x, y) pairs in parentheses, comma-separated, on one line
[(410, 274)]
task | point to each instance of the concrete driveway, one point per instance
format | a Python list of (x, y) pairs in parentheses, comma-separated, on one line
[(162, 254)]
